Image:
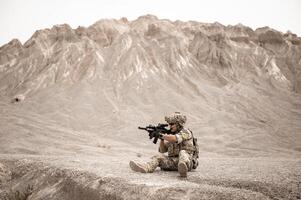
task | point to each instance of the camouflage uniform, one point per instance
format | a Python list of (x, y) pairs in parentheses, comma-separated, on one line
[(182, 150), (180, 153)]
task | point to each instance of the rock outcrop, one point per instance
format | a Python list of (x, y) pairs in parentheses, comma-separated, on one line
[(61, 54)]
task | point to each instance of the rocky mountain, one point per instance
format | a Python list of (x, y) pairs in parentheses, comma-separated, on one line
[(147, 66), (86, 90)]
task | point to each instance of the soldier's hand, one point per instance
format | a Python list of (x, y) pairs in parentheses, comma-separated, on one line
[(169, 138), (164, 136)]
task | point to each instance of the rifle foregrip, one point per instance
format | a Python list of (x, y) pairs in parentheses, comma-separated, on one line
[(155, 140)]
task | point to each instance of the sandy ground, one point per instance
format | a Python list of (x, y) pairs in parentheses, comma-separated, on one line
[(46, 161), (63, 177), (52, 148)]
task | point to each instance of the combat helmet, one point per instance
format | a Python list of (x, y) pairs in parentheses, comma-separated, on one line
[(176, 118)]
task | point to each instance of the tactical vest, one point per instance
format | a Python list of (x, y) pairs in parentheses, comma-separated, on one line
[(194, 150), (190, 145)]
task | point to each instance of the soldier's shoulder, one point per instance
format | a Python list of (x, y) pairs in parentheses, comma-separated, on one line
[(186, 130)]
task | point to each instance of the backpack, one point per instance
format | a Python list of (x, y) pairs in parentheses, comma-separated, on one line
[(195, 155)]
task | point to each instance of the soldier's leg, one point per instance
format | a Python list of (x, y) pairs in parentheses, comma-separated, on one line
[(184, 164), (186, 158), (162, 161), (156, 161), (169, 163)]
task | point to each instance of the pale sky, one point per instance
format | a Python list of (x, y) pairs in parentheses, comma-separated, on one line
[(21, 18)]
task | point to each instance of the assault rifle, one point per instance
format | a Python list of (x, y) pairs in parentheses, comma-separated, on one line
[(156, 131)]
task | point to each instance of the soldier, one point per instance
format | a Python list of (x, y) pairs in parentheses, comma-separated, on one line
[(182, 154)]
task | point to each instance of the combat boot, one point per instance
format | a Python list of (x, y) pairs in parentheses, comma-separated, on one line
[(138, 167), (182, 169)]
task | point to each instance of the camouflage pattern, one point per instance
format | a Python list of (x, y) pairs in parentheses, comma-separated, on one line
[(169, 163), (184, 142), (176, 118), (180, 151)]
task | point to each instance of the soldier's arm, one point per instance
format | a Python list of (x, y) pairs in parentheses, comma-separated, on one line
[(182, 136), (162, 147), (170, 138)]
